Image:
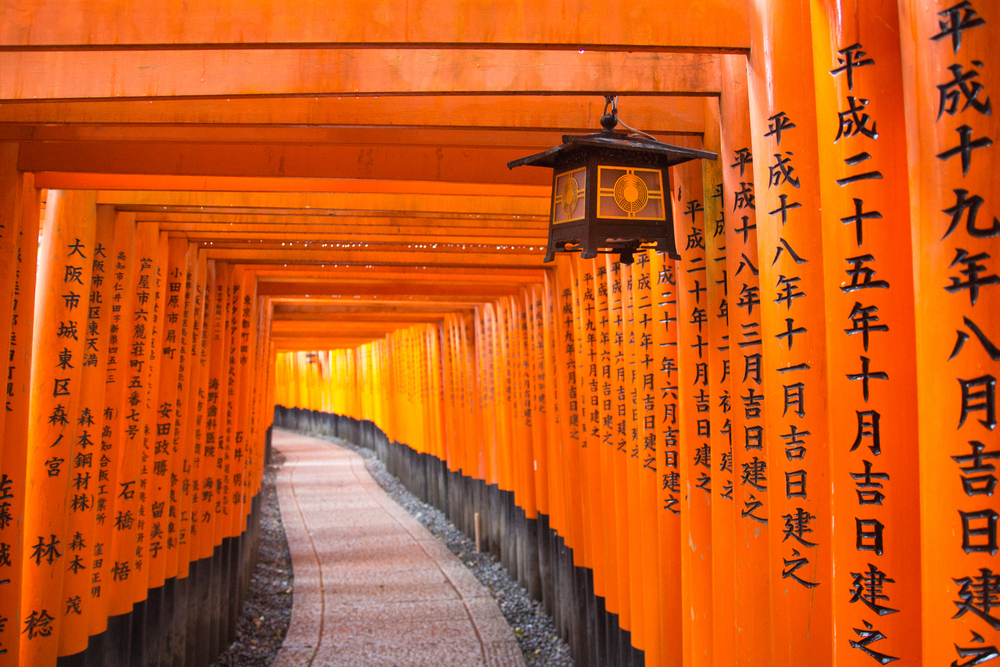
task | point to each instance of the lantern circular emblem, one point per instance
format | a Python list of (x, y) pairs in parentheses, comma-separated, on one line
[(631, 193), (570, 195)]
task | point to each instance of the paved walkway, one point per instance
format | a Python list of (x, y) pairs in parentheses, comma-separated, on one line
[(373, 586)]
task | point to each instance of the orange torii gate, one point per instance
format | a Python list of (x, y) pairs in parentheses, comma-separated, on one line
[(778, 449)]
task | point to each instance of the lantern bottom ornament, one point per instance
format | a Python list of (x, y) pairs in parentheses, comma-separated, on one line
[(625, 240), (610, 191)]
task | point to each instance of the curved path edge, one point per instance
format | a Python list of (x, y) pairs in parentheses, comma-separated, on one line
[(371, 585)]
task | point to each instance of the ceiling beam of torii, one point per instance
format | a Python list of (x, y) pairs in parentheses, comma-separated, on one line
[(324, 117), (303, 344), (398, 318), (483, 292), (352, 158), (377, 236), (349, 135), (398, 257), (387, 282), (664, 25), (407, 303), (176, 219), (264, 202), (487, 275), (411, 163), (228, 73)]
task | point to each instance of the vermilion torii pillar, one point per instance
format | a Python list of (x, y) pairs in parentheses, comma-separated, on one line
[(695, 430), (717, 335), (869, 306), (841, 288), (117, 532), (951, 135), (66, 256), (752, 575), (17, 424), (88, 492), (793, 330)]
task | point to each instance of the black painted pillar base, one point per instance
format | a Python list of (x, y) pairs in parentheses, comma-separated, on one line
[(186, 622)]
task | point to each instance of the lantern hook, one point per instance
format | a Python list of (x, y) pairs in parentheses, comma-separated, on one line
[(610, 120)]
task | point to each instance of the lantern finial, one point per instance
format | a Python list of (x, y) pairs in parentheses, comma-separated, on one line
[(610, 120)]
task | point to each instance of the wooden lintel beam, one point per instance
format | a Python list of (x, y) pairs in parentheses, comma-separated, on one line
[(384, 235), (486, 165), (708, 25), (399, 289), (311, 345), (362, 272), (311, 307), (326, 317), (421, 301), (311, 327), (389, 277), (233, 72), (526, 139), (382, 246), (295, 201), (308, 220), (404, 258), (76, 180), (254, 116), (316, 342)]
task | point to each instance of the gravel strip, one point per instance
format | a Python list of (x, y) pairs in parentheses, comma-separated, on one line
[(267, 610), (536, 633)]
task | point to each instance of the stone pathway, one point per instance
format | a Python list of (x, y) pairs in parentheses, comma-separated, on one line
[(372, 586)]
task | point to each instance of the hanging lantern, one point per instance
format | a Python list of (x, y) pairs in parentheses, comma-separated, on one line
[(610, 191)]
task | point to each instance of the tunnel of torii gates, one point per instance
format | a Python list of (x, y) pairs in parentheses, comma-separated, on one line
[(780, 449)]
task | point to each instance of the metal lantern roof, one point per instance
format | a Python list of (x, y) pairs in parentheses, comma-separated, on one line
[(670, 155)]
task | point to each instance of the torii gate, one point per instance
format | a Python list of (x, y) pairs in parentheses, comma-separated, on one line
[(778, 450)]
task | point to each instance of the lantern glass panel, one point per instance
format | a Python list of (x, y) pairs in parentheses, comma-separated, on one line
[(630, 193), (569, 201)]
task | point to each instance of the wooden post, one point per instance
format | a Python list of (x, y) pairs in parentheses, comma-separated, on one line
[(65, 262), (870, 347), (667, 422), (616, 431), (786, 172), (153, 250), (714, 221), (633, 459), (752, 573), (162, 544), (117, 302), (646, 368), (233, 440), (12, 193), (604, 470), (242, 450), (584, 307), (203, 484), (13, 463), (948, 84), (214, 478), (193, 405), (120, 416), (89, 491), (695, 464), (537, 379), (554, 405), (571, 406)]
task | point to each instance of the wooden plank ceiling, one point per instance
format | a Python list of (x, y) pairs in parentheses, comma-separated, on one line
[(354, 154)]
